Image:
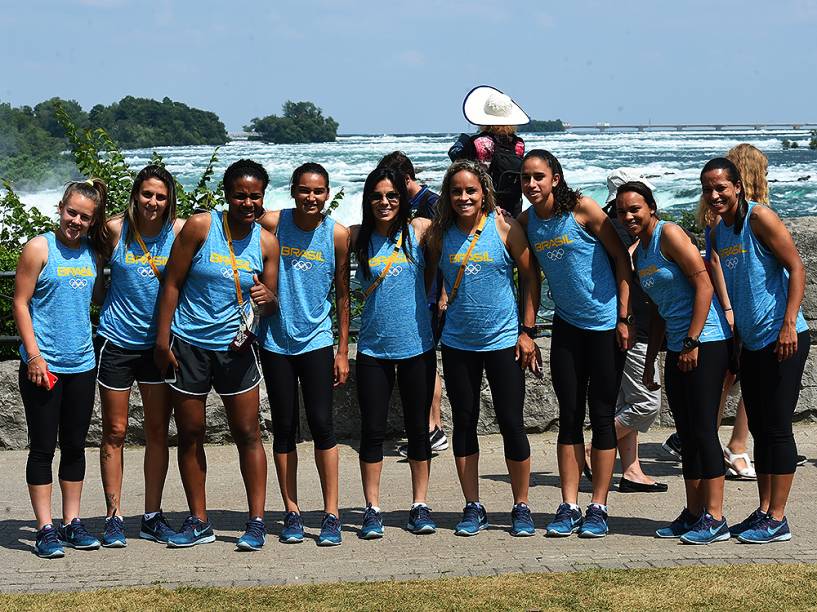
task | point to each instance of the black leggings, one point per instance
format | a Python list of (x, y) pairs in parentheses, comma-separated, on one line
[(694, 398), (463, 382), (64, 413), (375, 381), (315, 370), (770, 392), (586, 368)]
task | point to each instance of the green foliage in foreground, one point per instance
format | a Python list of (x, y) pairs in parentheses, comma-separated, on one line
[(746, 588), (300, 122), (537, 125)]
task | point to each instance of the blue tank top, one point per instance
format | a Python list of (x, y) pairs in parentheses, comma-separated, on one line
[(578, 271), (128, 317), (757, 283), (61, 308), (483, 316), (396, 322), (305, 276), (207, 315), (667, 285)]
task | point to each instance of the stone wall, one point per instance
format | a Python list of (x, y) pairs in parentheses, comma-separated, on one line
[(541, 411)]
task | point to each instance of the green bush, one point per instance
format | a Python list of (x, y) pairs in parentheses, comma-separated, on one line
[(536, 125), (301, 122)]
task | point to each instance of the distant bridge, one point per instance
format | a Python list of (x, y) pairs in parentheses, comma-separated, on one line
[(642, 127)]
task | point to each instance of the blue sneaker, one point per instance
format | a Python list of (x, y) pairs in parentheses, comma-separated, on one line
[(156, 529), (748, 523), (255, 536), (47, 544), (194, 531), (706, 531), (595, 523), (679, 526), (76, 536), (372, 526), (767, 530), (521, 521), (567, 521), (474, 520), (114, 535), (420, 521), (293, 531), (330, 531)]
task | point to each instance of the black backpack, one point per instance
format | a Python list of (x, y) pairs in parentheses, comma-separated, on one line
[(505, 170)]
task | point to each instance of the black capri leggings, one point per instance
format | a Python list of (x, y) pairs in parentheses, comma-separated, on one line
[(586, 368), (770, 391), (315, 370), (375, 381), (463, 381), (694, 398), (63, 413)]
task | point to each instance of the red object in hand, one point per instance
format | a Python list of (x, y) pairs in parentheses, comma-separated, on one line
[(51, 379)]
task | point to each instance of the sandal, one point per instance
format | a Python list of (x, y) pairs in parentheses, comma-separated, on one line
[(731, 460)]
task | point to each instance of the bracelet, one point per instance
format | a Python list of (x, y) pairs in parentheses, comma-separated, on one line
[(30, 359), (727, 309)]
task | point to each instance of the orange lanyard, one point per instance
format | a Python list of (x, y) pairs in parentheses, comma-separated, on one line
[(232, 258), (465, 259), (147, 254), (385, 270)]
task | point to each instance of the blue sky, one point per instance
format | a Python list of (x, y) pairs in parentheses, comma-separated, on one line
[(405, 66)]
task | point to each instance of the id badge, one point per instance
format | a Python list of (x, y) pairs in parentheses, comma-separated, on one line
[(247, 327)]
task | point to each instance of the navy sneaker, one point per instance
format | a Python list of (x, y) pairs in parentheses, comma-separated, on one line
[(47, 544), (76, 536), (114, 535), (567, 521), (748, 523), (420, 521), (474, 520), (330, 531), (521, 521), (156, 528), (767, 530), (194, 531), (255, 536), (372, 526), (293, 531), (679, 526), (707, 530), (595, 523)]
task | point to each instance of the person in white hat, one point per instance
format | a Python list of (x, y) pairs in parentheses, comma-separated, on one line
[(496, 147)]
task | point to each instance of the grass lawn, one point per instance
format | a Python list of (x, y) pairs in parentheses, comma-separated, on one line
[(737, 587)]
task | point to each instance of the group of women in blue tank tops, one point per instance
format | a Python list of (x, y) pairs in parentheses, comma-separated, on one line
[(182, 312)]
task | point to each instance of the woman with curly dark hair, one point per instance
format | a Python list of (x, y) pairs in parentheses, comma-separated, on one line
[(573, 240)]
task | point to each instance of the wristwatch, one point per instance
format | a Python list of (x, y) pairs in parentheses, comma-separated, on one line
[(690, 343), (530, 331), (628, 319)]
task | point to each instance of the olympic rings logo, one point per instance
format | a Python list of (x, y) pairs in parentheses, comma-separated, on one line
[(299, 264), (78, 283), (472, 269), (146, 272), (557, 254), (647, 282), (395, 271), (732, 263), (226, 272)]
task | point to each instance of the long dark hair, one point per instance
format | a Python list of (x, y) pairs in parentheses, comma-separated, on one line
[(733, 174), (565, 199), (95, 190), (151, 172), (641, 189), (400, 223)]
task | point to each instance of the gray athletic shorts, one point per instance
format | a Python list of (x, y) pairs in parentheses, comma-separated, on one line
[(636, 406)]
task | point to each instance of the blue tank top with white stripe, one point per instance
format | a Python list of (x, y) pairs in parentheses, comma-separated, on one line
[(305, 275), (668, 287), (396, 321), (207, 315), (757, 283), (578, 271), (128, 317), (483, 315), (61, 308)]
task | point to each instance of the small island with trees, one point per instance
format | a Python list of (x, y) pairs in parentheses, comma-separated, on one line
[(300, 122), (538, 125)]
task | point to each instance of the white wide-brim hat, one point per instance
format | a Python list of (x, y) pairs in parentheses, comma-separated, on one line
[(486, 105), (619, 176)]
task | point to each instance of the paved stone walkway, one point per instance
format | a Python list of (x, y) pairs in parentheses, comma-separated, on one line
[(400, 555)]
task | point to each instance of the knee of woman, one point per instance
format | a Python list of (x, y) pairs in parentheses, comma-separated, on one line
[(191, 433), (246, 436), (465, 445), (604, 437), (371, 453), (114, 434), (282, 444), (324, 440)]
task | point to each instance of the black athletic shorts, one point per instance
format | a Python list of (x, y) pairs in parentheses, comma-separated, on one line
[(228, 372), (120, 367)]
